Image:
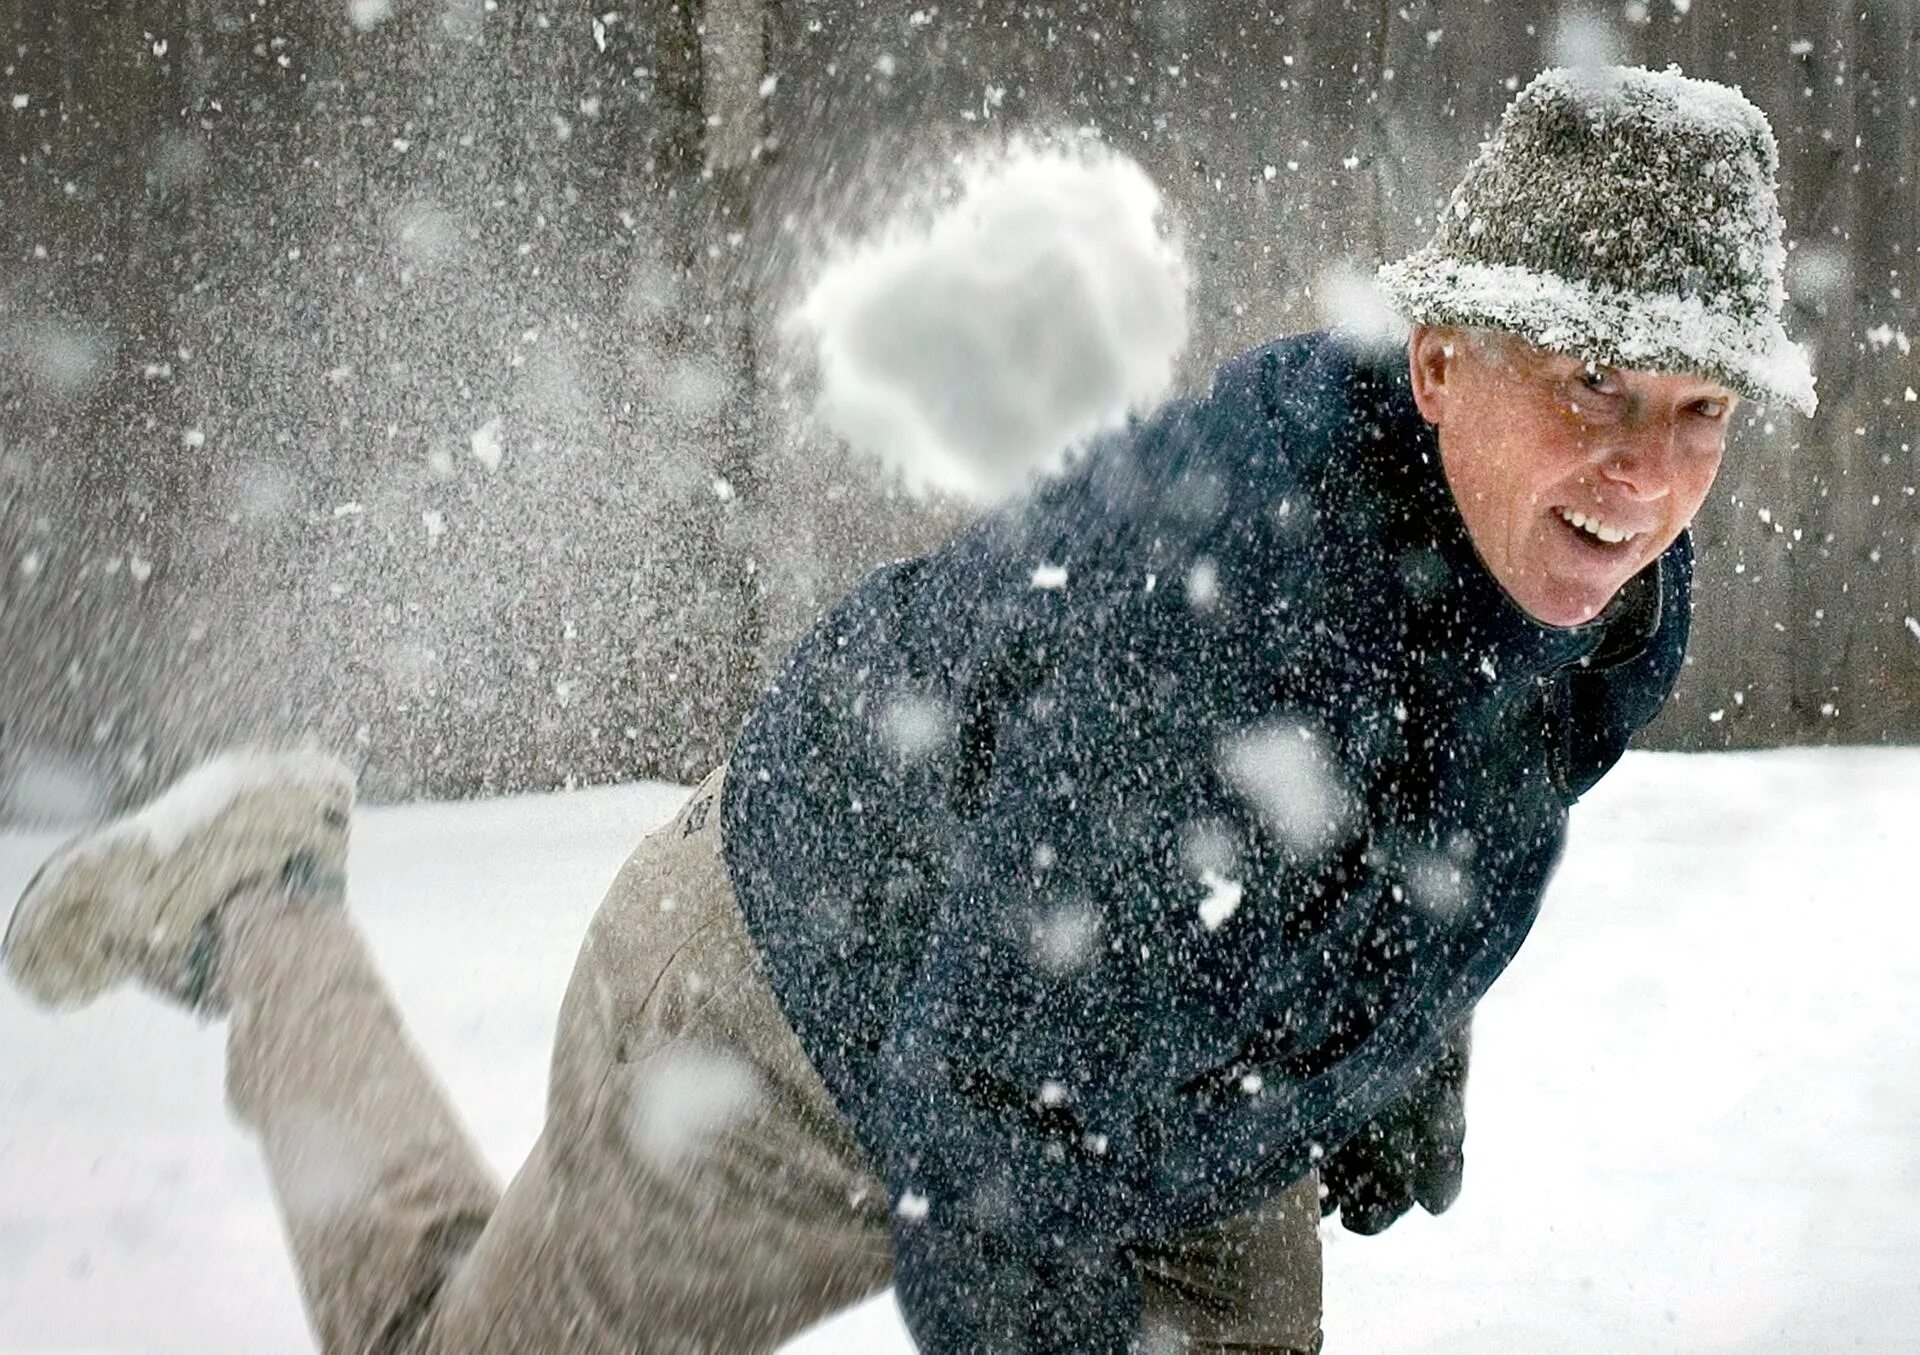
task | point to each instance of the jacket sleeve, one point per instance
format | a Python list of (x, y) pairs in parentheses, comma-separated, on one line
[(1412, 1152), (1040, 1020), (1012, 1156)]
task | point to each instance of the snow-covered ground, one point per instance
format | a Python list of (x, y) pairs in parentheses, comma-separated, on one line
[(1695, 1119)]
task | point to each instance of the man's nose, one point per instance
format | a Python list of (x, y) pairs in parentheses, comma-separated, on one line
[(1641, 462)]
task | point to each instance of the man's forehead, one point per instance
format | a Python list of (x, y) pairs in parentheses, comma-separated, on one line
[(1520, 352)]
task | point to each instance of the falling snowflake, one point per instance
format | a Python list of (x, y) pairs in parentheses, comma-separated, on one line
[(486, 445)]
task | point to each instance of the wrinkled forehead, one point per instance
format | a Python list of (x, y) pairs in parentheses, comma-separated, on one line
[(1522, 356)]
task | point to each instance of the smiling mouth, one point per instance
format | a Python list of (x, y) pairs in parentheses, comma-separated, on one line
[(1595, 531)]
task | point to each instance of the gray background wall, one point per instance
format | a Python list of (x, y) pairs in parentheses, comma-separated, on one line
[(266, 271)]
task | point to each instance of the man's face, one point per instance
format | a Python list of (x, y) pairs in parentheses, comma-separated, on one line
[(1571, 477)]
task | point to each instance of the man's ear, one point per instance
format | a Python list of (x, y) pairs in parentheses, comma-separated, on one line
[(1432, 351)]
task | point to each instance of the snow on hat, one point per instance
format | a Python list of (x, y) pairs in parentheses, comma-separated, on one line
[(1625, 216)]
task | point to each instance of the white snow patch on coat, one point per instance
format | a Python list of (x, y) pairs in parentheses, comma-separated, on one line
[(1222, 900), (1284, 769)]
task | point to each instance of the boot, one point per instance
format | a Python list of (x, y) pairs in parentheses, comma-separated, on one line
[(141, 897)]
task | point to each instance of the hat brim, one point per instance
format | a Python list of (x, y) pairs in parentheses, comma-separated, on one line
[(1660, 332)]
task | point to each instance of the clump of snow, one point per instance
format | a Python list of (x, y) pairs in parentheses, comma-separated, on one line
[(423, 233), (410, 665), (63, 360), (1350, 301), (1586, 41), (696, 387), (486, 446), (463, 20), (261, 491), (1210, 845), (368, 14), (1885, 335), (973, 348), (1820, 272), (1222, 900), (915, 726), (200, 796), (685, 1098), (1203, 584), (1285, 771), (323, 1171), (1435, 882), (1064, 937)]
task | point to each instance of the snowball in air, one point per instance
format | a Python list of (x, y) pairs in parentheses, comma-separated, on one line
[(368, 14), (973, 349), (914, 726)]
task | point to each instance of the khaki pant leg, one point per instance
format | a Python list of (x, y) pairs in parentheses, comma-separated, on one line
[(694, 1189), (1249, 1284), (377, 1183)]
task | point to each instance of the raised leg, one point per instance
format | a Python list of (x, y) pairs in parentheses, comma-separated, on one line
[(380, 1189), (226, 894), (694, 1189)]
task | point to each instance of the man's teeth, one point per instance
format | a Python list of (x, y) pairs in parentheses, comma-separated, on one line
[(1595, 527)]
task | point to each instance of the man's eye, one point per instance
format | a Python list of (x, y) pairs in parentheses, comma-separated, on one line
[(1600, 380), (1711, 408)]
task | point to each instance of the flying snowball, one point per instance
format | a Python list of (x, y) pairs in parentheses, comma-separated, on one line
[(975, 348)]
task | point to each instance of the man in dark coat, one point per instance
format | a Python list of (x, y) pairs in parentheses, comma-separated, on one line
[(1224, 827), (1124, 860), (1087, 897)]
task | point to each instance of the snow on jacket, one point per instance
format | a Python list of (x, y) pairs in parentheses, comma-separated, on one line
[(1119, 859)]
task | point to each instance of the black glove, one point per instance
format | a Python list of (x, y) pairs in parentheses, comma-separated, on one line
[(1411, 1152)]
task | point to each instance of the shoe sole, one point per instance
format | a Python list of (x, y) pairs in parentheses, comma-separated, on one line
[(131, 900)]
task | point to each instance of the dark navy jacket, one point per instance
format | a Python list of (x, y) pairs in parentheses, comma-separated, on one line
[(1119, 859)]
